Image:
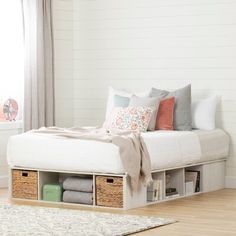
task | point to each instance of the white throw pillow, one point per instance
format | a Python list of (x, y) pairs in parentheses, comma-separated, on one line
[(120, 92), (204, 113)]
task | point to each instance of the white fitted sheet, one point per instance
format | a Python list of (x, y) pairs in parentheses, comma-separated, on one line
[(166, 148)]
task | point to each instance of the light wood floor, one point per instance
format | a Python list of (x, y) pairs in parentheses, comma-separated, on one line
[(206, 214)]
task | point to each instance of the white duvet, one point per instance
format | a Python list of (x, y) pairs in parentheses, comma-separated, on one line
[(172, 148), (166, 149)]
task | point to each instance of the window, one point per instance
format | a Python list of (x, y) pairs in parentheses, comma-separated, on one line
[(11, 51)]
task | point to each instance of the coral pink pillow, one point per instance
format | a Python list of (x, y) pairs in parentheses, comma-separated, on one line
[(165, 115)]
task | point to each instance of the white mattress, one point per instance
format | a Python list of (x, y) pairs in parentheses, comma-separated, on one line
[(166, 149)]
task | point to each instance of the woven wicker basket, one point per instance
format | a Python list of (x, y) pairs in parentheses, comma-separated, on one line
[(109, 191), (25, 184)]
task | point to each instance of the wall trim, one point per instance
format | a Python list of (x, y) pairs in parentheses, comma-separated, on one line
[(11, 125), (230, 181), (4, 181)]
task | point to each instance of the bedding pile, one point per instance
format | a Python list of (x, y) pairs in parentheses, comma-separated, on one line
[(133, 152)]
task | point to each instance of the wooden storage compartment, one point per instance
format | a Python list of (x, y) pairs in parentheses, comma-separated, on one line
[(46, 178), (156, 190), (174, 179), (109, 191), (213, 176), (25, 184), (193, 180)]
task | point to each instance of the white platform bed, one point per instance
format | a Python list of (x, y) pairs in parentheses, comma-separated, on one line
[(170, 151)]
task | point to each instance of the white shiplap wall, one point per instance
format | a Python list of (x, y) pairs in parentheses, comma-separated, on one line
[(6, 131), (136, 44), (63, 45)]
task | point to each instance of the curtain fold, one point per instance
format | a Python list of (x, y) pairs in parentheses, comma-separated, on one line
[(39, 102)]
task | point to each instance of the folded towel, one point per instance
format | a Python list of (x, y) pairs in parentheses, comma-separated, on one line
[(75, 183), (78, 197)]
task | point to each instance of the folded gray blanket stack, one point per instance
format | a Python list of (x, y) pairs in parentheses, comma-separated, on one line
[(78, 184), (78, 190), (78, 197)]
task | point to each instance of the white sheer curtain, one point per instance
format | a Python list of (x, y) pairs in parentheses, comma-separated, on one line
[(39, 70), (11, 52)]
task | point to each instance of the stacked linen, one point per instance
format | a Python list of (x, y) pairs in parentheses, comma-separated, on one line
[(78, 190), (77, 183)]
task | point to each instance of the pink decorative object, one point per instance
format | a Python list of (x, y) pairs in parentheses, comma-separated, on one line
[(10, 109), (2, 116)]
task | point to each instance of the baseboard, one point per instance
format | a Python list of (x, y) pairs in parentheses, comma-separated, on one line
[(4, 181), (230, 181)]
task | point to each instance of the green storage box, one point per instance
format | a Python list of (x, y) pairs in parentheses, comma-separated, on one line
[(52, 192)]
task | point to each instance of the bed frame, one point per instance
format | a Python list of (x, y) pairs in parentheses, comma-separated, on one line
[(212, 177)]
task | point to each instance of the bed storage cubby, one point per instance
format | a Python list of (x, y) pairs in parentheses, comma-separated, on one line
[(113, 190), (78, 188), (174, 183), (109, 191), (156, 190), (47, 178), (25, 184), (213, 176), (193, 180), (52, 188)]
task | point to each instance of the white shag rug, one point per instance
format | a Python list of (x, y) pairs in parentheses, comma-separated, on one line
[(18, 220)]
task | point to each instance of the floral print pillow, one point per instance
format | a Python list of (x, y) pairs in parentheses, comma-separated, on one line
[(130, 118)]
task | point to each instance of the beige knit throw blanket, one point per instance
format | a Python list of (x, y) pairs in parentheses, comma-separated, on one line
[(133, 152)]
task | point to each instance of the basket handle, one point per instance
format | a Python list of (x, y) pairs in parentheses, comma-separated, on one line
[(24, 174), (109, 180)]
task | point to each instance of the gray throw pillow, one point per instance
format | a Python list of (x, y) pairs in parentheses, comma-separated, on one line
[(147, 102), (182, 113)]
